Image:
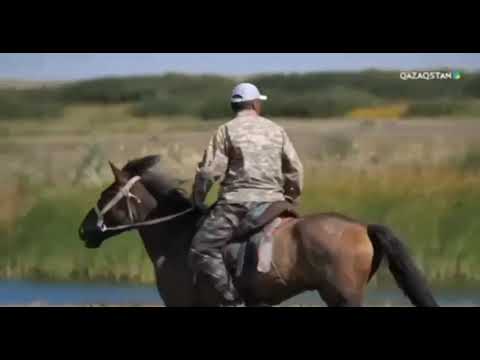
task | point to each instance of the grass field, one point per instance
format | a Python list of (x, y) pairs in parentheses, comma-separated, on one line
[(419, 176)]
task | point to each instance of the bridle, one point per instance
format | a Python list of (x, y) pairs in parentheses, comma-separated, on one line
[(124, 192)]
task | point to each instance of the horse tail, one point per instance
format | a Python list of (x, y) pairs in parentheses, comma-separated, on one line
[(401, 265)]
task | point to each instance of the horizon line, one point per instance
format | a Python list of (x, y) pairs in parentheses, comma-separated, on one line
[(234, 76)]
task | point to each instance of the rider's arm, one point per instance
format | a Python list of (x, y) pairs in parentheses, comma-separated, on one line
[(292, 169), (212, 167)]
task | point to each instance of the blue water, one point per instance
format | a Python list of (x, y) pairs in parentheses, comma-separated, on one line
[(58, 294), (27, 293)]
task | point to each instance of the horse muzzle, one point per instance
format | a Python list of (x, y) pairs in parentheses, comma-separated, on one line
[(89, 233)]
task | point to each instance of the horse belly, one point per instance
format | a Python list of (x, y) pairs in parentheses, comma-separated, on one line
[(281, 280)]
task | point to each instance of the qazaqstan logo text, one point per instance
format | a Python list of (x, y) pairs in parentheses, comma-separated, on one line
[(431, 75)]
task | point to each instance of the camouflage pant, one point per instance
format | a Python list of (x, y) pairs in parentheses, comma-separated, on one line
[(215, 232)]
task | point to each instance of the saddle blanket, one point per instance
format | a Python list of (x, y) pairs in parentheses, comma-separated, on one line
[(257, 252)]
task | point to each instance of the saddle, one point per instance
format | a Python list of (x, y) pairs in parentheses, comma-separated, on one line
[(252, 243)]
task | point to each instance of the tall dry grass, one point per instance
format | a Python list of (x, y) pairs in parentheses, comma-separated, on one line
[(433, 210)]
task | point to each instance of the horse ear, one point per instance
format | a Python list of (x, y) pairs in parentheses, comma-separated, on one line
[(119, 175)]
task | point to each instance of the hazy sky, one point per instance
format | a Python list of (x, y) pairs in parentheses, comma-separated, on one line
[(80, 66)]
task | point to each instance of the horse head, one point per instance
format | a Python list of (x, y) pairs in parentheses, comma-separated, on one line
[(121, 205)]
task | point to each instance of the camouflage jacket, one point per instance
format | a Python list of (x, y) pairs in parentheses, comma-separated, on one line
[(253, 158)]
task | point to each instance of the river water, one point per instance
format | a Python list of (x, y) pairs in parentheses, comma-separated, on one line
[(25, 293)]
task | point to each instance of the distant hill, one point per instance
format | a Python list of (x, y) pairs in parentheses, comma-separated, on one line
[(28, 84), (308, 95)]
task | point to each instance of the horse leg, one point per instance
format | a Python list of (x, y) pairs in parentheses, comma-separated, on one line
[(256, 304), (346, 288), (347, 273), (337, 298)]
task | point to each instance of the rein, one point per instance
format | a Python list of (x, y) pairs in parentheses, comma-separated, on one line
[(125, 192)]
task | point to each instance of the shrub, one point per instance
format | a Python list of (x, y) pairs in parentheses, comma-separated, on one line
[(436, 108), (291, 95), (20, 104)]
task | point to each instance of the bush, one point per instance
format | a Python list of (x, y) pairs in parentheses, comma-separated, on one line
[(334, 101), (109, 90), (215, 108), (438, 108), (143, 88), (384, 84), (472, 86), (28, 104), (159, 105), (291, 95), (470, 161)]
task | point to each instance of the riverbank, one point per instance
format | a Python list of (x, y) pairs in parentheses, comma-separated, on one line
[(67, 294)]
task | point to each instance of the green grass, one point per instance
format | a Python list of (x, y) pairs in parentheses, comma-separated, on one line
[(434, 210), (45, 245)]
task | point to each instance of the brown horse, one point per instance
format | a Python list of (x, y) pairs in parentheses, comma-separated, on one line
[(330, 253)]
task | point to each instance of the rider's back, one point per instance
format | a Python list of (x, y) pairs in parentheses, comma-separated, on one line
[(259, 154)]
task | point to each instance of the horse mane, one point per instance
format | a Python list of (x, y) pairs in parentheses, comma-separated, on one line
[(158, 183), (139, 166)]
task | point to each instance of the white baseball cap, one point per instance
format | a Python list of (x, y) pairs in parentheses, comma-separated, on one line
[(246, 92)]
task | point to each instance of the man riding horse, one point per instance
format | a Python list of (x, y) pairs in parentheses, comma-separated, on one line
[(328, 252), (256, 163)]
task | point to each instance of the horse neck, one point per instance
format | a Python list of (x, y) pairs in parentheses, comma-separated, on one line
[(172, 238), (167, 245), (167, 240)]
